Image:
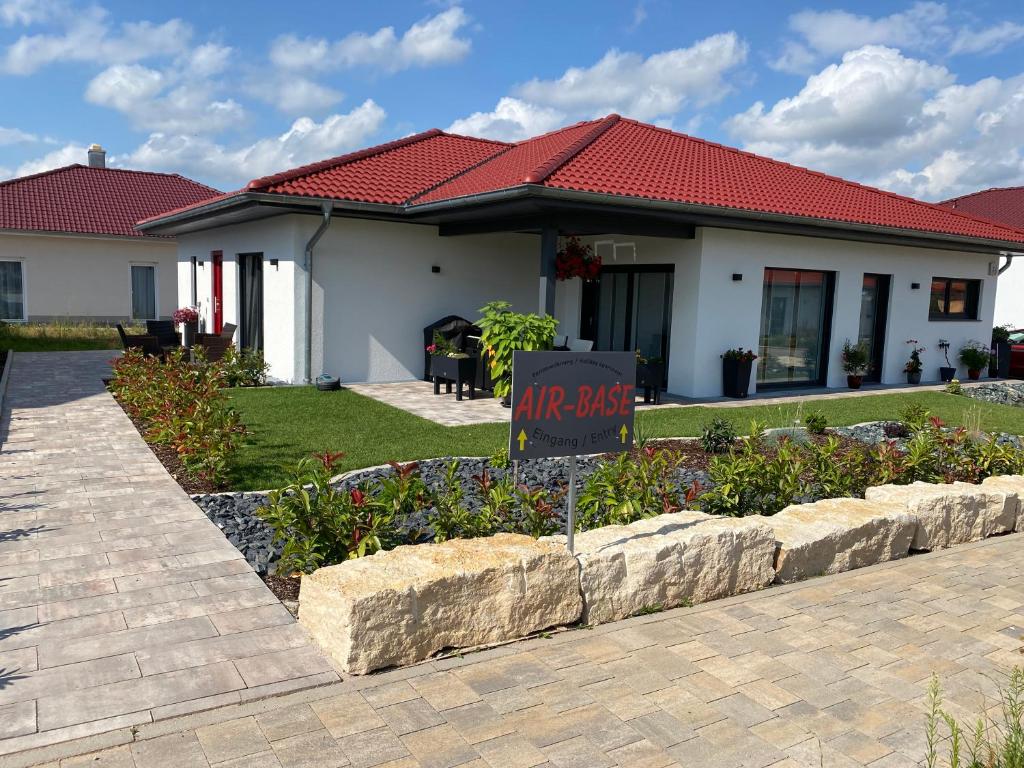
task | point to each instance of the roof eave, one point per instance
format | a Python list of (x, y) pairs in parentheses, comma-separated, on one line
[(712, 212)]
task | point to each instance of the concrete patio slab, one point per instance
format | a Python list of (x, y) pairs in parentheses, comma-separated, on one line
[(120, 602)]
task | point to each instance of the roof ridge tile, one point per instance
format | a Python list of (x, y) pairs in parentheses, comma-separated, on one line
[(556, 161)]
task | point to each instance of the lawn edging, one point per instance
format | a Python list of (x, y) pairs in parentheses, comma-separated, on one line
[(5, 374), (647, 566)]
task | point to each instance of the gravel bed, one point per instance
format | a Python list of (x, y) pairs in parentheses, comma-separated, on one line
[(1002, 393), (236, 513)]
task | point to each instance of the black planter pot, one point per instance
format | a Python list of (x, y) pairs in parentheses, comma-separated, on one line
[(914, 378), (947, 374), (736, 377), (188, 334), (454, 370), (649, 377)]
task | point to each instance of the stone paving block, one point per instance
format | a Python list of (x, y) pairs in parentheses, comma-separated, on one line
[(118, 601), (346, 715), (137, 695), (248, 619), (18, 718), (311, 750), (835, 535), (401, 606), (30, 632), (69, 678), (232, 739), (947, 514), (182, 750), (510, 751), (157, 613), (213, 648), (290, 721), (118, 757), (293, 664), (371, 748), (670, 560), (153, 639)]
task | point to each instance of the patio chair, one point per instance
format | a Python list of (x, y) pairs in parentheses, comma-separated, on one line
[(214, 347), (580, 345), (164, 332), (148, 343), (228, 330), (561, 343)]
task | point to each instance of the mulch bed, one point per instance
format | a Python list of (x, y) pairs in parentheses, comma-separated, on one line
[(283, 588)]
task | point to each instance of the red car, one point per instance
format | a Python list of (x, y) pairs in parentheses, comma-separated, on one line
[(1017, 354)]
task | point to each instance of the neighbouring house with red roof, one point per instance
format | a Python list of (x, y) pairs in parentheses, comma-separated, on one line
[(69, 249), (337, 266), (1005, 206)]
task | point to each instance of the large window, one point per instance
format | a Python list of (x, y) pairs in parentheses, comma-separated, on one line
[(12, 291), (796, 317), (954, 299), (143, 292)]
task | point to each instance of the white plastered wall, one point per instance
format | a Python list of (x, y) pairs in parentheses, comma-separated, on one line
[(1010, 295), (88, 278)]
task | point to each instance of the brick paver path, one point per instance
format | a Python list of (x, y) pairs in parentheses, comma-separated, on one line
[(120, 603), (831, 672)]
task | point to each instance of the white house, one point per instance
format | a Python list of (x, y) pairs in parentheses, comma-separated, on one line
[(69, 249), (1004, 205), (704, 248)]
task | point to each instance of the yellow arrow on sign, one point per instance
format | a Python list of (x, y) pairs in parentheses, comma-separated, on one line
[(522, 439), (622, 433)]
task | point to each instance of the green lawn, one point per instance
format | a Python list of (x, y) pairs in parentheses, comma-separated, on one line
[(288, 423), (52, 337)]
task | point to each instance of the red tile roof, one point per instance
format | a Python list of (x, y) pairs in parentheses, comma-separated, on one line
[(95, 201), (619, 158), (390, 173), (1005, 205)]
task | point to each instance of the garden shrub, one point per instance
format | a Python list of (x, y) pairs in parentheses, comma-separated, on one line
[(244, 369), (320, 524), (815, 422), (181, 405), (717, 435), (954, 387), (914, 416), (451, 518)]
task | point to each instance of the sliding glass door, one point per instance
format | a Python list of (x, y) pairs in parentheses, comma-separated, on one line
[(796, 319), (250, 316), (874, 312)]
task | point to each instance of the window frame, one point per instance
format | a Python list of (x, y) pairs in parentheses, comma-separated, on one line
[(156, 290), (972, 300), (24, 291)]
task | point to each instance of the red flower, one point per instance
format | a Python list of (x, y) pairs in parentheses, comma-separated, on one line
[(358, 497)]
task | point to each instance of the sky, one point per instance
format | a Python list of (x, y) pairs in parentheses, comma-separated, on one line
[(922, 98)]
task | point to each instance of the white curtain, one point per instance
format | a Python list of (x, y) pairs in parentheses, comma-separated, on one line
[(143, 293), (12, 291)]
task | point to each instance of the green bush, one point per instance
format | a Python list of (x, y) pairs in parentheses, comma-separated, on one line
[(718, 435), (244, 369), (627, 489), (182, 405), (954, 387), (914, 416), (504, 332), (815, 422)]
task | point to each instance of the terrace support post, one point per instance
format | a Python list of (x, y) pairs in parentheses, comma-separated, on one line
[(548, 252)]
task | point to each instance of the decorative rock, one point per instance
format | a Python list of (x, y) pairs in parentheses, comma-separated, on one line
[(670, 560), (402, 606), (836, 535), (998, 508), (1013, 487), (947, 514)]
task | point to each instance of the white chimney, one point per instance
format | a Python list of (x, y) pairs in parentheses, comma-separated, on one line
[(97, 156)]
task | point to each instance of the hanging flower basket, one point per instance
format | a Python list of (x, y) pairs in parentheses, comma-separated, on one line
[(577, 260)]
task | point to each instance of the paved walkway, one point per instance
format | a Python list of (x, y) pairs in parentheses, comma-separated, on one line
[(827, 673), (418, 398), (120, 603)]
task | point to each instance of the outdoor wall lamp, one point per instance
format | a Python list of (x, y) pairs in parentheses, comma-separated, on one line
[(273, 263), (737, 276), (915, 286), (435, 269)]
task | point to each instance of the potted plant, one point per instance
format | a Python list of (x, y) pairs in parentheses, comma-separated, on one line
[(188, 319), (736, 366), (975, 356), (449, 364), (1001, 347), (855, 362), (947, 372), (913, 366), (503, 332), (650, 373), (577, 260)]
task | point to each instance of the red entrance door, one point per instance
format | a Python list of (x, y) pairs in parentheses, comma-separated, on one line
[(217, 257)]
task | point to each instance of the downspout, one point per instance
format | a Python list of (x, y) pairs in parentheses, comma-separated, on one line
[(325, 222), (1009, 260)]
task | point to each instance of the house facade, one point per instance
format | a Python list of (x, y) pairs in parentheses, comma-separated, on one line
[(337, 267), (69, 249), (1005, 206)]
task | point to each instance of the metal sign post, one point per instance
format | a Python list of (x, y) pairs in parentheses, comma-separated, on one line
[(571, 404)]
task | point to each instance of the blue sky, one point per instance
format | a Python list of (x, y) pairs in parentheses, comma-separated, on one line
[(924, 98)]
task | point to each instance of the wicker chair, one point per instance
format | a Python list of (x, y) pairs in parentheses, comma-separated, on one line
[(214, 347), (164, 332), (149, 344), (228, 330)]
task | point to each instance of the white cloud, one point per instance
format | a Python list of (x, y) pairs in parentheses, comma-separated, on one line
[(896, 122), (163, 100), (25, 12), (66, 155), (16, 136), (432, 41), (925, 27), (512, 120), (87, 36), (294, 94), (654, 88), (306, 141)]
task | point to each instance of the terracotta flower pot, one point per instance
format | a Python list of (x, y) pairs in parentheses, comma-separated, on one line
[(854, 382), (973, 374)]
